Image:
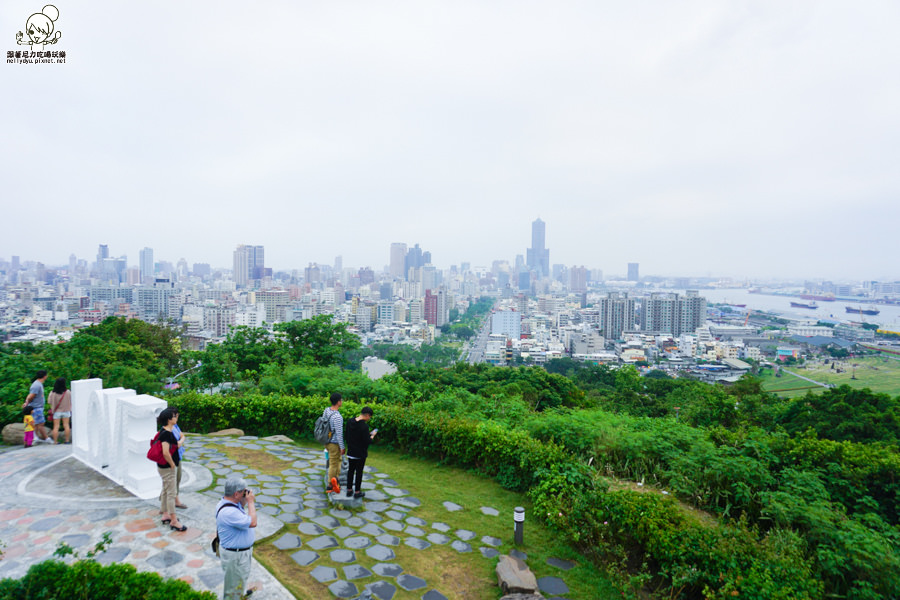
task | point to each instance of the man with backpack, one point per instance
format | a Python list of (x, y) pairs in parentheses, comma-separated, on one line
[(335, 442)]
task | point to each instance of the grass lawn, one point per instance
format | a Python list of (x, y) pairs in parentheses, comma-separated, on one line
[(879, 373), (461, 576), (787, 386)]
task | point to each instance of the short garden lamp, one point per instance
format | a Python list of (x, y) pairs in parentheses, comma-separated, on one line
[(519, 523)]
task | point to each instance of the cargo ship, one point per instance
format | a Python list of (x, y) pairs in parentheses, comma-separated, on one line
[(811, 305), (859, 310), (821, 298)]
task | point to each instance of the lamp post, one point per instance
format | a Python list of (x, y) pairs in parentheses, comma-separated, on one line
[(519, 520), (172, 379)]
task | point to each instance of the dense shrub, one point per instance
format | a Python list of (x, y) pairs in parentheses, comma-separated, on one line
[(89, 580)]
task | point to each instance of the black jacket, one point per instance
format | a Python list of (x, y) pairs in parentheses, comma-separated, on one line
[(356, 436)]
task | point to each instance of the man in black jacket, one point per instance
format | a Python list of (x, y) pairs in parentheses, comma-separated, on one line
[(357, 437)]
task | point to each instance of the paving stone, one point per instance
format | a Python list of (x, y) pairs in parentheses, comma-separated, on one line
[(396, 492), (388, 539), (491, 541), (438, 538), (491, 512), (212, 577), (368, 515), (442, 527), (46, 524), (102, 514), (488, 552), (371, 529), (380, 475), (304, 558), (113, 554), (253, 472), (460, 547), (352, 572), (343, 532), (326, 521), (434, 595), (387, 569), (269, 510), (323, 542), (410, 582), (343, 556), (382, 590), (290, 518), (320, 504), (393, 514), (357, 542), (518, 554), (377, 506), (310, 513), (465, 535), (393, 525), (416, 543), (389, 482), (452, 507), (342, 589), (309, 529), (324, 574), (552, 585), (408, 502), (76, 540), (416, 521), (559, 563), (340, 514), (165, 559), (414, 531), (268, 478), (288, 541), (379, 552), (355, 522), (371, 492)]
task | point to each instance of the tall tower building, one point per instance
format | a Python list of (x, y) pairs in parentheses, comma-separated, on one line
[(538, 256), (616, 315), (102, 254), (633, 272), (146, 264), (249, 264), (398, 260), (672, 313)]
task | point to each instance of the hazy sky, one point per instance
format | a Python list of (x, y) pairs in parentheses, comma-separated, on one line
[(707, 138)]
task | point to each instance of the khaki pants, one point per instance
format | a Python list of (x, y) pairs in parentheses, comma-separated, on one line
[(237, 572), (167, 496), (334, 461)]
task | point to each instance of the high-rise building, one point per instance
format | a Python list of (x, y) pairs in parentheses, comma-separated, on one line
[(508, 323), (73, 264), (672, 313), (249, 264), (338, 264), (538, 256), (398, 260), (146, 264), (633, 272), (102, 252), (436, 307), (578, 277), (616, 315)]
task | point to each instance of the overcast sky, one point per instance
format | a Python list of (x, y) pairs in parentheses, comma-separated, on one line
[(757, 139)]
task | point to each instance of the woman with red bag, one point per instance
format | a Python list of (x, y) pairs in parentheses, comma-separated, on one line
[(168, 470)]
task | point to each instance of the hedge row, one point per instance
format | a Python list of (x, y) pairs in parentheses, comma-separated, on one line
[(646, 533), (90, 580)]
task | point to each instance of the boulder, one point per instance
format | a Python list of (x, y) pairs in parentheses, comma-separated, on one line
[(514, 577), (14, 434), (534, 596), (279, 438), (226, 432)]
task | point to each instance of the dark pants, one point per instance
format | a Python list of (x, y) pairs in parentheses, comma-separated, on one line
[(355, 473)]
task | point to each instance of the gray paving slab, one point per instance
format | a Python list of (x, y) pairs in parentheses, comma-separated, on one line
[(310, 529), (433, 595), (388, 540), (460, 547), (322, 542), (416, 543), (352, 572), (380, 553), (382, 590), (552, 586), (516, 553), (393, 514), (437, 538), (304, 558), (343, 556), (288, 541), (491, 512), (371, 529), (387, 569), (414, 531), (357, 542), (377, 506), (324, 574), (491, 541), (393, 525), (410, 582), (408, 502), (442, 527), (452, 506), (559, 563), (489, 552), (343, 589)]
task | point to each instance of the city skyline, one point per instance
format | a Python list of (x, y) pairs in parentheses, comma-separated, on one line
[(705, 139)]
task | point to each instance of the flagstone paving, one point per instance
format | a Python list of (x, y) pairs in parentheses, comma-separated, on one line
[(347, 550)]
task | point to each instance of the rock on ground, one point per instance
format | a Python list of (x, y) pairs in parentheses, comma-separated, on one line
[(14, 433), (226, 432), (514, 577)]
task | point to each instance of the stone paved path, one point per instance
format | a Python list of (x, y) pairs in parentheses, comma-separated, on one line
[(348, 550)]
